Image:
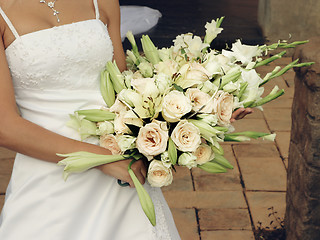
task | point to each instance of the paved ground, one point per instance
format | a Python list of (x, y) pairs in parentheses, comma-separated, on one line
[(228, 206)]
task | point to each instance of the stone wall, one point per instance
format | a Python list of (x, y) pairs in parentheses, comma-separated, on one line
[(303, 186), (279, 18)]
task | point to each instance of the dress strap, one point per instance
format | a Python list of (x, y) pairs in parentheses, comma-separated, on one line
[(10, 25), (96, 7)]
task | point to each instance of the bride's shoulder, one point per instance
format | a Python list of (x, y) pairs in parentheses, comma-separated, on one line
[(109, 9)]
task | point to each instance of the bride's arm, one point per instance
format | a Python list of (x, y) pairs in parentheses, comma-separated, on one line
[(110, 13), (25, 137)]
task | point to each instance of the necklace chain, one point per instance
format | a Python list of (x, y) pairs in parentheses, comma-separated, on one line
[(51, 6)]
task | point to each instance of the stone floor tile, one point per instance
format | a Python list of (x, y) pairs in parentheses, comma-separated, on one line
[(186, 222), (247, 124), (257, 114), (259, 202), (277, 114), (289, 78), (281, 102), (182, 180), (199, 199), (268, 174), (1, 201), (279, 81), (284, 61), (283, 142), (256, 150), (289, 92), (229, 181), (227, 235), (264, 70), (5, 153), (280, 125), (4, 181), (224, 219)]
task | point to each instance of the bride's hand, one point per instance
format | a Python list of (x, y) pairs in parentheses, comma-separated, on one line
[(119, 170), (240, 113)]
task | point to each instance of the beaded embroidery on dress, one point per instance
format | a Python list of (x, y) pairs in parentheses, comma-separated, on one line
[(55, 72)]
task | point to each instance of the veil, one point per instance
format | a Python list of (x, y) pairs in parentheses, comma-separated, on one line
[(137, 19)]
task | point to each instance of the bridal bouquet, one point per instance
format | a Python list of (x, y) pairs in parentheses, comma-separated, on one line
[(173, 106)]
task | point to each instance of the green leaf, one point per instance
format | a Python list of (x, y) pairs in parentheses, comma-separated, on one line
[(177, 87), (222, 161), (106, 89), (97, 115), (212, 167), (144, 198), (172, 151)]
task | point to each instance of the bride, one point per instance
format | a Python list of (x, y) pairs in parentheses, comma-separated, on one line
[(51, 55)]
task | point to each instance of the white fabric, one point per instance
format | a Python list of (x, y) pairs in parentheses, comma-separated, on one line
[(138, 19), (55, 72)]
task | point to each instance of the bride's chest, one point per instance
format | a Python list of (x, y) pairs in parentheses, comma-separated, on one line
[(68, 56)]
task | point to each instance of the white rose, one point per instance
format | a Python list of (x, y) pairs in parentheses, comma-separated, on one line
[(188, 160), (192, 74), (165, 159), (126, 142), (145, 86), (186, 136), (168, 67), (204, 154), (163, 82), (159, 175), (152, 139), (223, 107), (130, 97), (199, 99), (109, 142), (105, 127), (175, 105)]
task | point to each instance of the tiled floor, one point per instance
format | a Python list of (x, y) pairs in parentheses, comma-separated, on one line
[(228, 206)]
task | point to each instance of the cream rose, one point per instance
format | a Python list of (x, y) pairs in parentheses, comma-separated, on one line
[(192, 74), (145, 86), (223, 106), (152, 139), (168, 67), (186, 136), (105, 127), (109, 142), (188, 160), (204, 154), (175, 105), (198, 99), (159, 175), (126, 142)]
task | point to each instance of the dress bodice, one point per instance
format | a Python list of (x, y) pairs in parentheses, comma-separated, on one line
[(64, 57), (56, 71)]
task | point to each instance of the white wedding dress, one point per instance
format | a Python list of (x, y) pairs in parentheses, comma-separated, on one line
[(56, 71)]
